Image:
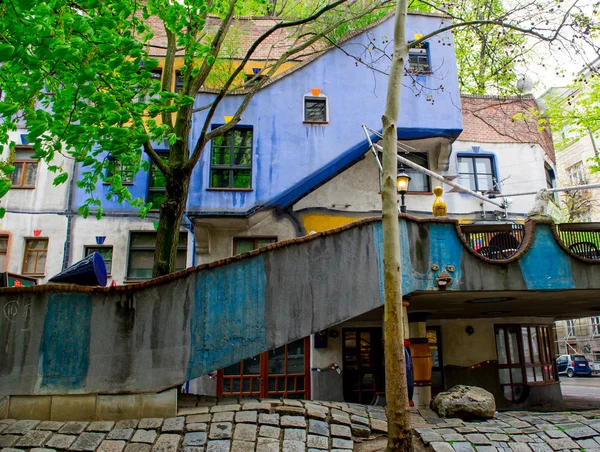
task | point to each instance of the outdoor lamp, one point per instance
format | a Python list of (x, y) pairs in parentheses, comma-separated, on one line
[(402, 181)]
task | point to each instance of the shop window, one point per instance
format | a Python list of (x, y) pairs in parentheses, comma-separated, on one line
[(105, 251), (34, 258), (477, 173), (524, 358), (316, 109), (231, 160), (3, 252), (157, 183), (141, 254), (418, 59), (419, 182), (245, 244)]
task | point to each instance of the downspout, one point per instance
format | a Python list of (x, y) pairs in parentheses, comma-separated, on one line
[(596, 152), (69, 214)]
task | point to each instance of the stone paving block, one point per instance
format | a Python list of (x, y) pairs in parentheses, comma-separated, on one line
[(341, 443), (294, 434), (245, 432), (554, 433), (318, 427), (226, 416), (485, 449), (197, 418), (137, 447), (316, 414), (519, 447), (7, 441), (381, 416), (124, 434), (359, 420), (289, 410), (520, 438), (196, 427), (144, 436), (262, 407), (60, 441), (453, 437), (246, 416), (587, 444), (193, 449), (268, 431), (270, 419), (360, 431), (442, 447), (194, 439), (87, 442), (267, 445), (173, 425), (341, 431), (581, 432), (10, 449), (498, 437), (111, 446), (562, 443), (242, 446), (50, 425), (218, 446), (466, 430), (512, 431), (73, 428), (293, 421), (379, 426), (167, 442), (294, 446), (318, 442), (220, 430), (20, 427), (100, 426), (37, 449), (150, 423), (222, 408), (133, 423), (540, 447), (477, 438), (34, 438), (192, 410), (462, 447), (340, 419)]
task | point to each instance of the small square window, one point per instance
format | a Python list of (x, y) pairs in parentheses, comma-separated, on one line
[(315, 109), (231, 159), (178, 82), (34, 258), (418, 59), (105, 251), (126, 171)]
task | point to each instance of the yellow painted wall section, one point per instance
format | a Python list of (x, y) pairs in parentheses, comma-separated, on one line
[(318, 222)]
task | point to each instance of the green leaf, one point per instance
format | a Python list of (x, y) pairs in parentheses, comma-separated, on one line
[(60, 179), (8, 109), (84, 211), (6, 51), (5, 185), (2, 212), (172, 138), (99, 213)]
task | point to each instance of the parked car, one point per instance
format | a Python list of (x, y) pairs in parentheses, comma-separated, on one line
[(573, 365)]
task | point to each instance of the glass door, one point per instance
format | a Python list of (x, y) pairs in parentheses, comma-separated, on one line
[(362, 359)]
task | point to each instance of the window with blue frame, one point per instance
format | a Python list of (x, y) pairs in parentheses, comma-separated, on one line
[(231, 160), (477, 173), (418, 59)]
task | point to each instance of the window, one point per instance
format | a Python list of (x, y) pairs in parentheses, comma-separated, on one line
[(245, 244), (315, 109), (476, 173), (105, 251), (253, 79), (178, 82), (595, 325), (597, 357), (157, 184), (34, 258), (419, 182), (25, 172), (141, 254), (418, 58), (570, 328), (231, 160), (524, 357), (3, 252), (577, 174), (125, 171), (550, 178)]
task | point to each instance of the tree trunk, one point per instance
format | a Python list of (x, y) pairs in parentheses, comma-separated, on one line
[(399, 431), (171, 214)]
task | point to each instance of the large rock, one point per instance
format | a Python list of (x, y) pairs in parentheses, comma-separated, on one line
[(465, 402)]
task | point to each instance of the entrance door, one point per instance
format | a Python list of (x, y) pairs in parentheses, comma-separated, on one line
[(283, 372), (435, 347), (363, 364)]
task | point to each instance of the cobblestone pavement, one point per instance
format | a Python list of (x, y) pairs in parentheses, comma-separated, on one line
[(229, 426), (518, 431)]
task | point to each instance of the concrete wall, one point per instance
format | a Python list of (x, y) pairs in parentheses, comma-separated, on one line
[(64, 340)]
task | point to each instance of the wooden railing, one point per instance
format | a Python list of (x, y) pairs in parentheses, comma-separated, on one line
[(582, 239), (494, 241)]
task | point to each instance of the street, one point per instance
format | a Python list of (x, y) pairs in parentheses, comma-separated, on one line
[(581, 390)]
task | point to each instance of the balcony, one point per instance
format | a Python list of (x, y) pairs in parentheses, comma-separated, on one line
[(496, 242), (582, 239)]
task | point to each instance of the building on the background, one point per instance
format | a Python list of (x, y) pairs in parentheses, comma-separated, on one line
[(579, 337)]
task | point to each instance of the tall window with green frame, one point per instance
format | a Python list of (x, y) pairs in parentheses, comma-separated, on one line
[(157, 184), (231, 160)]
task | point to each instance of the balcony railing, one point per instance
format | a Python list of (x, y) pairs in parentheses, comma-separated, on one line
[(582, 239), (494, 241)]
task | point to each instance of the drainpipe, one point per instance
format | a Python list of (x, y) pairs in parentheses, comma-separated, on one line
[(69, 214), (596, 152)]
